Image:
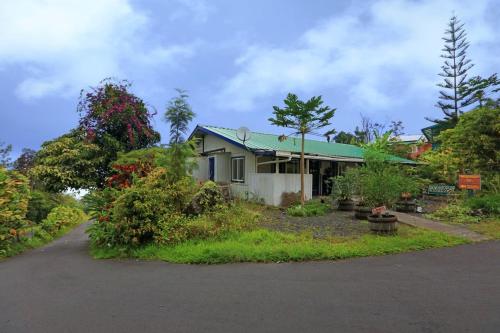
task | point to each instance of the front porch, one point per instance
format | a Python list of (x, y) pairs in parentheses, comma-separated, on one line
[(276, 176)]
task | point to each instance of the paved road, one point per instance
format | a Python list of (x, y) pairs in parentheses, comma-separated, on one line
[(60, 289)]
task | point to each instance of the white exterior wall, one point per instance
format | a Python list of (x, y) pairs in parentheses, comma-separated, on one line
[(222, 160), (270, 186)]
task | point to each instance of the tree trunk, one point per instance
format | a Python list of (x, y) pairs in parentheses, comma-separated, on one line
[(302, 196)]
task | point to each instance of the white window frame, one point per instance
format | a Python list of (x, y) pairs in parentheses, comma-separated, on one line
[(239, 178)]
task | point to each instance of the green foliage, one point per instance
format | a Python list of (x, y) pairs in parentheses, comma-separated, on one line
[(304, 117), (345, 186), (41, 203), (382, 182), (134, 215), (208, 198), (61, 217), (455, 97), (14, 196), (262, 245), (179, 114), (455, 213), (488, 203), (180, 160), (69, 162), (475, 142), (310, 208)]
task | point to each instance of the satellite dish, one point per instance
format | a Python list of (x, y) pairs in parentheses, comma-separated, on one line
[(243, 134)]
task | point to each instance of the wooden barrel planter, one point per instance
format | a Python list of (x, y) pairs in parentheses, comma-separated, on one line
[(383, 224), (347, 205), (406, 206), (362, 212)]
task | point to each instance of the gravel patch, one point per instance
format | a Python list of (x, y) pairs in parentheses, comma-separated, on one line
[(335, 223)]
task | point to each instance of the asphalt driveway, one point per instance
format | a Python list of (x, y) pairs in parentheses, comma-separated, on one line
[(59, 288)]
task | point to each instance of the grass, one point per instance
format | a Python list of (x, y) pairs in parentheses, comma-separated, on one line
[(489, 227), (39, 239), (262, 245), (311, 208), (458, 214)]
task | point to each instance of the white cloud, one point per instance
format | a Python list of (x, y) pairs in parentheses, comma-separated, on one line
[(65, 45), (365, 49)]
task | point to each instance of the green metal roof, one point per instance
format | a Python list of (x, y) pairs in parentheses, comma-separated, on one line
[(270, 142)]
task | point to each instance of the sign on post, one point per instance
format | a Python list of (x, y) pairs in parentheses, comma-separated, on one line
[(469, 182)]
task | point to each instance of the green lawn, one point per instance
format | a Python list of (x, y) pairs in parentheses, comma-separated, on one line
[(262, 245), (489, 227)]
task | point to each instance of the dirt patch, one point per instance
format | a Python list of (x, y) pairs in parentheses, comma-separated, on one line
[(334, 224)]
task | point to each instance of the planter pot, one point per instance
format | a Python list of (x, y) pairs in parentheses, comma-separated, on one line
[(346, 205), (362, 212), (406, 206), (384, 224)]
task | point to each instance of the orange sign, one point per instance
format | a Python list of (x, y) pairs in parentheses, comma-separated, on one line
[(469, 182)]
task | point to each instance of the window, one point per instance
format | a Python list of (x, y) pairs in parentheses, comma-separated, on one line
[(238, 169)]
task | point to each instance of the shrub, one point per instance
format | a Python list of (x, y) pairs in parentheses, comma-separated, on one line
[(14, 196), (41, 203), (345, 186), (311, 208), (61, 217), (208, 198), (137, 214), (489, 203), (454, 213), (176, 229)]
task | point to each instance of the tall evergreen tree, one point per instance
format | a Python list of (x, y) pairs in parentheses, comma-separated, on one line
[(179, 114), (454, 97)]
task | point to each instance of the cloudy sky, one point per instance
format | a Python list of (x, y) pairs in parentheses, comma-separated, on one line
[(236, 58)]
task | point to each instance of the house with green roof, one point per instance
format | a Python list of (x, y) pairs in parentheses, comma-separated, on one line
[(264, 166)]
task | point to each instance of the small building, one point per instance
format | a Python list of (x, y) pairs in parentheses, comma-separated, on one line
[(416, 144), (264, 167)]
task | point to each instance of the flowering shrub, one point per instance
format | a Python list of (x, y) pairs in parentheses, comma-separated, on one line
[(14, 196), (132, 216), (111, 110)]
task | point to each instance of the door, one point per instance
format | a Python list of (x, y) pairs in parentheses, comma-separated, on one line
[(211, 168), (314, 169)]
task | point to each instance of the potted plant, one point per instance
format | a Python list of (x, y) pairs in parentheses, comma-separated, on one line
[(382, 183), (343, 189), (406, 204)]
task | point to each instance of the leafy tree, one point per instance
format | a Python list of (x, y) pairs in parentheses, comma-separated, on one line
[(179, 114), (482, 90), (454, 97), (304, 118), (475, 142), (179, 160), (70, 162), (25, 161), (5, 151), (345, 137), (115, 119)]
